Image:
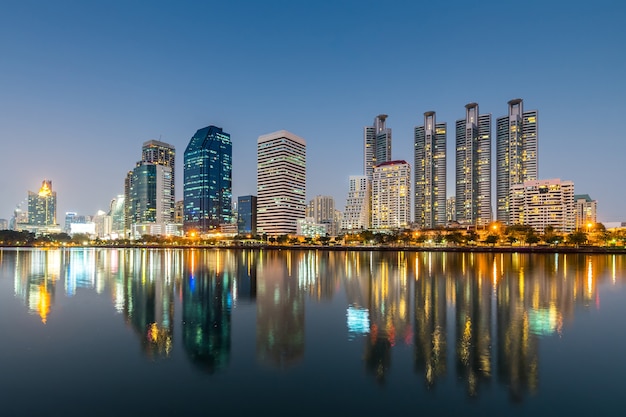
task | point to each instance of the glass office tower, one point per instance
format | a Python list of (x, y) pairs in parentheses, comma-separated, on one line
[(207, 183)]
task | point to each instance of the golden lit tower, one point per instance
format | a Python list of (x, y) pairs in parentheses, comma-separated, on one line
[(42, 206)]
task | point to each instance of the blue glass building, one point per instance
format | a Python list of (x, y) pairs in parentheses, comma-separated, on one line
[(207, 182), (246, 214)]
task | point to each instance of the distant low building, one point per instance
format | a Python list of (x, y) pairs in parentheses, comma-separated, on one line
[(586, 211), (308, 227)]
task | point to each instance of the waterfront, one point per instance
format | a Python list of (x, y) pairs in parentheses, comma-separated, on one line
[(96, 331)]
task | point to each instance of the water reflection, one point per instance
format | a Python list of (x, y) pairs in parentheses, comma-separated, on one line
[(477, 318)]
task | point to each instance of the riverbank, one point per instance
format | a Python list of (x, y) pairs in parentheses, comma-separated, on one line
[(273, 247)]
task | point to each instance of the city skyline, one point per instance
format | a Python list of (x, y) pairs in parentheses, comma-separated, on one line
[(74, 87)]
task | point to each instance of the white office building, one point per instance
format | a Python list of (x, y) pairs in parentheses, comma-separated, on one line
[(281, 182), (356, 215)]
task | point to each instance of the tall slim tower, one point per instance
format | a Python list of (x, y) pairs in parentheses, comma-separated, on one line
[(377, 145), (281, 182), (430, 173), (207, 180), (516, 153), (473, 167)]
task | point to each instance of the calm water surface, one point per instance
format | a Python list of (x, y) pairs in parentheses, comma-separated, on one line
[(106, 332)]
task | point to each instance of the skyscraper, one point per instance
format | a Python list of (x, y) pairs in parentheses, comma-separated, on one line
[(430, 172), (150, 197), (149, 193), (516, 153), (377, 145), (356, 215), (473, 167), (207, 180), (161, 153), (42, 206), (281, 182), (391, 195)]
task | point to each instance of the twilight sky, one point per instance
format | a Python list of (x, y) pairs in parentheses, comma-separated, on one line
[(84, 83)]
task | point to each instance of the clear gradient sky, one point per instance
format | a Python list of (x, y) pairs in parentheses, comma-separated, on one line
[(84, 83)]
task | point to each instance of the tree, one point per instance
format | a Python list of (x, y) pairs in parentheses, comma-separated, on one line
[(577, 238), (532, 238), (455, 238), (471, 236), (491, 239)]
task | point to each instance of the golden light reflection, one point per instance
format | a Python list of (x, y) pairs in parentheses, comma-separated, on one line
[(590, 278)]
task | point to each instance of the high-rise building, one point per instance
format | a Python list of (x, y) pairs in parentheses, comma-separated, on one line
[(391, 195), (150, 199), (322, 210), (281, 182), (473, 167), (430, 172), (516, 153), (246, 214), (42, 206), (147, 206), (4, 224), (161, 153), (377, 145), (208, 181), (356, 215), (586, 211), (541, 203)]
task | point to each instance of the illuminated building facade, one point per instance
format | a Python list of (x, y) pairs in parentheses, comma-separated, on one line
[(542, 203), (161, 153), (451, 209), (322, 209), (246, 214), (516, 153), (208, 181), (473, 167), (308, 227), (356, 215), (150, 199), (430, 172), (116, 211), (42, 206), (376, 144), (281, 182), (586, 209), (391, 195)]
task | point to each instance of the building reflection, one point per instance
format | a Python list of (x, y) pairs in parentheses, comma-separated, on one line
[(476, 318), (473, 295), (430, 318), (35, 280), (280, 309), (147, 295), (379, 298), (207, 304)]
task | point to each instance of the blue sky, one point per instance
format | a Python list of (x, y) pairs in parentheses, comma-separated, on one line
[(84, 84)]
